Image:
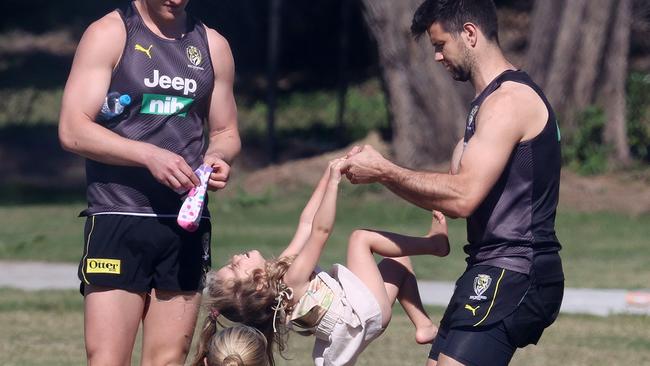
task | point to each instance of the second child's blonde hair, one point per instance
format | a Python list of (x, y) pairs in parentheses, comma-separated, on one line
[(237, 346)]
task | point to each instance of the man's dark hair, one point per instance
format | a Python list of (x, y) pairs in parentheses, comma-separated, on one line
[(452, 14)]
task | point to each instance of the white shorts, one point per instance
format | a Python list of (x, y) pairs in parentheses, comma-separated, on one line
[(346, 341)]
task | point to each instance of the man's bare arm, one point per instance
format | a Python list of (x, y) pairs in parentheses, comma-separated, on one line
[(224, 143), (502, 122)]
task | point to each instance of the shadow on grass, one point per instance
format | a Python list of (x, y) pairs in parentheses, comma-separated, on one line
[(35, 169)]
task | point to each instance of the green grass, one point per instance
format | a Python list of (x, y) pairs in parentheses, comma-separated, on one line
[(46, 328), (603, 250)]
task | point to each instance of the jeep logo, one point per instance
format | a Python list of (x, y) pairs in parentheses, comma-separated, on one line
[(166, 82)]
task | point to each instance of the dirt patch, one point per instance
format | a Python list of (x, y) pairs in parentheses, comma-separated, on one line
[(302, 172), (627, 193), (622, 192)]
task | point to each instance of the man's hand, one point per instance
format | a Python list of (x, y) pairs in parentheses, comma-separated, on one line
[(220, 172), (364, 165), (171, 169)]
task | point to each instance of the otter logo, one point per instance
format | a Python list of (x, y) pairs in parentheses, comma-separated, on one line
[(101, 265)]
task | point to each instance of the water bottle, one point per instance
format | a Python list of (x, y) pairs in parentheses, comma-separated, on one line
[(113, 105)]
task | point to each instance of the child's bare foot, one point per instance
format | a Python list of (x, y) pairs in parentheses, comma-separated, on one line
[(438, 224), (424, 335), (438, 235)]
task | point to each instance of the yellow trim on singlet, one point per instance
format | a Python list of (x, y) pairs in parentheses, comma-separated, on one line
[(496, 289), (83, 260)]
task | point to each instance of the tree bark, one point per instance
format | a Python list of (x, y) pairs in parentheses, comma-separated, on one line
[(588, 62), (425, 104), (275, 19), (590, 55), (564, 58), (614, 93), (545, 25)]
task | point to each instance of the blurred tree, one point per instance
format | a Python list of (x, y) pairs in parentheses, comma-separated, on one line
[(426, 106), (275, 19), (579, 53)]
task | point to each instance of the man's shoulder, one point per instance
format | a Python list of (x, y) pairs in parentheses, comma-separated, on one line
[(515, 93), (102, 41), (514, 98), (110, 24), (216, 39)]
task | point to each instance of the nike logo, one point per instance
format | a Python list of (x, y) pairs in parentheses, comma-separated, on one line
[(470, 308), (146, 51)]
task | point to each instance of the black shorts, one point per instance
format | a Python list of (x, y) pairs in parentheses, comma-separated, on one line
[(493, 311), (137, 254)]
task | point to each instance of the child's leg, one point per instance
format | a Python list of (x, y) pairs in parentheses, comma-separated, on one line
[(400, 283), (395, 279)]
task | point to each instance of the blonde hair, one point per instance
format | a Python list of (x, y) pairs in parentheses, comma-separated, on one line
[(252, 302), (234, 346)]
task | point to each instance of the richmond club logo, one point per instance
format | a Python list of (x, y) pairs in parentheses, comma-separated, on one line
[(481, 284), (470, 120), (194, 55)]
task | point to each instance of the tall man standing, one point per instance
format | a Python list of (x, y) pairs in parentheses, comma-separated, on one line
[(504, 179), (138, 265)]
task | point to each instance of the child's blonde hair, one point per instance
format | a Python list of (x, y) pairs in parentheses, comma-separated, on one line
[(234, 346), (258, 301)]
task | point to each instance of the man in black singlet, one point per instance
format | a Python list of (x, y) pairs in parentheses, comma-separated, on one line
[(138, 264), (504, 179)]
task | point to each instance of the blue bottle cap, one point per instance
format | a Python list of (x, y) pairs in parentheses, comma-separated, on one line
[(125, 99)]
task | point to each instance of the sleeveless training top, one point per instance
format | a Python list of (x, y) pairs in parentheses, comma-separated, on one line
[(517, 218), (170, 83)]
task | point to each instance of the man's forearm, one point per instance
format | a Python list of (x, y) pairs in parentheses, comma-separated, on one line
[(428, 190), (95, 142), (226, 145)]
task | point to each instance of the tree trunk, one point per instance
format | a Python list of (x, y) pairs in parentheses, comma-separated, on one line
[(275, 19), (426, 107), (590, 55), (584, 62), (613, 94), (545, 24), (563, 60)]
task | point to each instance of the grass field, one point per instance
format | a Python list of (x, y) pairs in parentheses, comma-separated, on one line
[(46, 328), (602, 250)]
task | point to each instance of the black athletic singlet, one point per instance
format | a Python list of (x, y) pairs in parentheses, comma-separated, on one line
[(170, 83), (517, 218)]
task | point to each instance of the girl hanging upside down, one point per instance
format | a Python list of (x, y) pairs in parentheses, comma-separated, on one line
[(345, 308)]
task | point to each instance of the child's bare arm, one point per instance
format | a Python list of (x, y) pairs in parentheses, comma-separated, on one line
[(302, 267), (307, 217)]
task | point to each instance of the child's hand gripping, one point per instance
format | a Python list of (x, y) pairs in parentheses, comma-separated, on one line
[(335, 169), (189, 215)]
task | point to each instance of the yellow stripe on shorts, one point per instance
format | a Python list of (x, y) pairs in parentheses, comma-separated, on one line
[(494, 297), (83, 261)]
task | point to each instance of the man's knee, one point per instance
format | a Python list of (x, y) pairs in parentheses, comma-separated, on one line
[(444, 360), (105, 357), (165, 357)]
